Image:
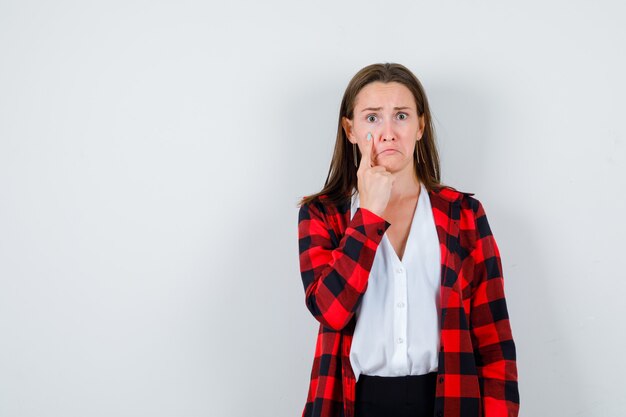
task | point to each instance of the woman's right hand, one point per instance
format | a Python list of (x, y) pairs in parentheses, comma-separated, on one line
[(374, 182)]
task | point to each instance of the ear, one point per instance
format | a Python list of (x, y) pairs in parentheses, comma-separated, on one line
[(347, 127), (422, 126)]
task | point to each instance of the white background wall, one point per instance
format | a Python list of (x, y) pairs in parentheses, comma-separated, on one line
[(152, 154)]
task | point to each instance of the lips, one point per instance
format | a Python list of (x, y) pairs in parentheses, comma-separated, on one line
[(387, 152)]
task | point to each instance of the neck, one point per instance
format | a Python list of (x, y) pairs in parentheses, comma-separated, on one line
[(405, 185)]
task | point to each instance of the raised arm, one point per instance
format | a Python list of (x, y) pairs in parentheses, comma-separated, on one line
[(494, 348), (335, 278)]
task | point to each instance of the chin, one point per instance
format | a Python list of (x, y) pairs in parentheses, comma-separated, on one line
[(391, 167)]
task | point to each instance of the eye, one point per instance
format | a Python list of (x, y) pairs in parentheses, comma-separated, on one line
[(369, 116), (403, 114)]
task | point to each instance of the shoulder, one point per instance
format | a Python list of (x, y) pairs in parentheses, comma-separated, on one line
[(325, 205), (472, 214), (470, 206), (318, 204), (324, 209), (454, 195)]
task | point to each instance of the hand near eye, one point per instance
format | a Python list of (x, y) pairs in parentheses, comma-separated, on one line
[(374, 182)]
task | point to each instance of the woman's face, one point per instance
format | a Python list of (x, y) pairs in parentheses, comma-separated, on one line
[(388, 111)]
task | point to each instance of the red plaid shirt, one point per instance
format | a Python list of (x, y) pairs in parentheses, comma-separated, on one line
[(477, 371)]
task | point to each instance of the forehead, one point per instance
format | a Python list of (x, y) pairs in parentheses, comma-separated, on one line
[(379, 94)]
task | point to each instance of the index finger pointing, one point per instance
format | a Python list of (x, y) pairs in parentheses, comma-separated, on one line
[(366, 158)]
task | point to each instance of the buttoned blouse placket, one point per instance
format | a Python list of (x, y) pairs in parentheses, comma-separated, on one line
[(399, 360)]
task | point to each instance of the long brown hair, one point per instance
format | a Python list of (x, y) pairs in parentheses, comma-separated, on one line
[(342, 178)]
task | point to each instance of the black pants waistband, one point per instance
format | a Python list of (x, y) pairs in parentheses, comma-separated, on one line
[(395, 392)]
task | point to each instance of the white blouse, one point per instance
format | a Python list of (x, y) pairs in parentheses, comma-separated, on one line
[(397, 327)]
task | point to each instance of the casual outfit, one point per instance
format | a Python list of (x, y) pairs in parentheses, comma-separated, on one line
[(430, 336)]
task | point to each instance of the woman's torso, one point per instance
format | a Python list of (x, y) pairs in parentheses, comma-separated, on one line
[(397, 321)]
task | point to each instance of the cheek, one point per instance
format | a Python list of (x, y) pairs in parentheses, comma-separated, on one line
[(410, 128), (360, 129), (362, 125), (410, 148)]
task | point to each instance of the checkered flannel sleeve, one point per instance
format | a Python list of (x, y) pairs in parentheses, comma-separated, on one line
[(335, 269), (492, 338)]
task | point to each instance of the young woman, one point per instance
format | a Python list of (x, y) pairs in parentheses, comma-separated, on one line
[(401, 271)]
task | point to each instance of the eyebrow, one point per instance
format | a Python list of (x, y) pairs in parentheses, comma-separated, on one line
[(380, 108)]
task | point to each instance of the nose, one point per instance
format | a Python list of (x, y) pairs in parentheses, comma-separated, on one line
[(387, 133)]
